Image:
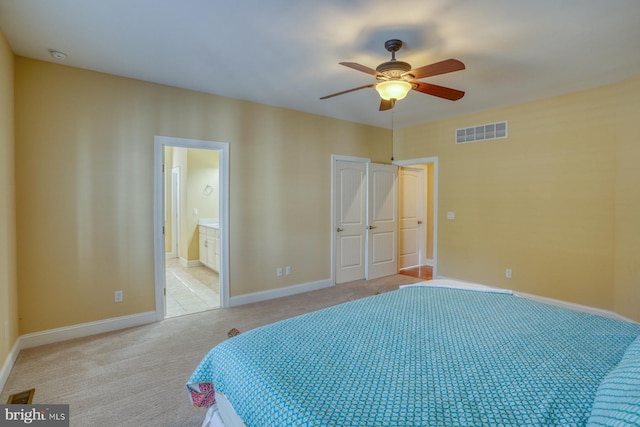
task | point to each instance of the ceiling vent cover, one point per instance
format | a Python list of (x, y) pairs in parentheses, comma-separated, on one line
[(486, 132)]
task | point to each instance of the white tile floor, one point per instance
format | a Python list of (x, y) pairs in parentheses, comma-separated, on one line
[(190, 289)]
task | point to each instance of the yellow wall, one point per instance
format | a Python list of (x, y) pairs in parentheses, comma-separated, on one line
[(203, 170), (84, 159), (8, 256), (557, 202), (168, 220), (430, 202), (626, 297), (550, 202)]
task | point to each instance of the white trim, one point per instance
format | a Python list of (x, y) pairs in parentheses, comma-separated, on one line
[(8, 363), (558, 303), (418, 161), (279, 292), (158, 227), (338, 157), (434, 161), (193, 263), (85, 329), (71, 332), (574, 306), (158, 214)]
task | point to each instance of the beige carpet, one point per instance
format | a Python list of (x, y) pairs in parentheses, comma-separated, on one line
[(136, 377)]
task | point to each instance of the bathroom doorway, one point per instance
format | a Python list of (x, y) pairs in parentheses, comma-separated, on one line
[(191, 226), (192, 217)]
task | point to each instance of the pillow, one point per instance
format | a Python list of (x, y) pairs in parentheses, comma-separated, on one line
[(617, 401), (633, 350)]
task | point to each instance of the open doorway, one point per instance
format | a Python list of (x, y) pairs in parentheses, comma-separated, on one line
[(191, 226), (192, 219), (418, 228)]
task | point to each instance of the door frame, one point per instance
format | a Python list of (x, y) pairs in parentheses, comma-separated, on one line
[(434, 208), (159, 143)]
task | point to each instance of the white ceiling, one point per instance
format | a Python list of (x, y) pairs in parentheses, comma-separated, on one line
[(286, 53)]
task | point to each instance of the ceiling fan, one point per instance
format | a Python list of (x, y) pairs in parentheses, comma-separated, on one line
[(396, 78)]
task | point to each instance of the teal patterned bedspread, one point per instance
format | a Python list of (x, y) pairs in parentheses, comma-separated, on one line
[(420, 356)]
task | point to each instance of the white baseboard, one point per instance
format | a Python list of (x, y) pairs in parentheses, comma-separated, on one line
[(71, 332), (279, 292), (574, 306), (427, 262), (559, 303), (190, 263), (8, 364), (85, 329)]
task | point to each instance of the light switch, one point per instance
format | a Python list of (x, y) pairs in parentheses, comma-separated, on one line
[(195, 211), (451, 215)]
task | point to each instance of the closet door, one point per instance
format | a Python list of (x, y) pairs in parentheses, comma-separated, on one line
[(350, 220), (382, 224)]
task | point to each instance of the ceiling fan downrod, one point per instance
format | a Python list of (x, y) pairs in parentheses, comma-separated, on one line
[(393, 46), (392, 69)]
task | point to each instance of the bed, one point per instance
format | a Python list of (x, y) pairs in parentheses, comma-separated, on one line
[(441, 353)]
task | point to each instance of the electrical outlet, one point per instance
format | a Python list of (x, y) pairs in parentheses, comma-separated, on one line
[(279, 271), (117, 297), (508, 273), (287, 270)]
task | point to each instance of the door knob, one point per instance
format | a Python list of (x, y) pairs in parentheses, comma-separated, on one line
[(419, 222), (371, 227), (339, 229)]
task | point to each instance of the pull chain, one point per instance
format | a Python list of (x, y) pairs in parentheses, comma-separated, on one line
[(392, 135)]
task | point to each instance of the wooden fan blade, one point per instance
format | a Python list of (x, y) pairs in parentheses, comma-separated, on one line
[(359, 67), (439, 91), (442, 67), (387, 105), (349, 90)]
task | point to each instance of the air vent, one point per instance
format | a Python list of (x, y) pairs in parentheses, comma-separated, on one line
[(486, 132)]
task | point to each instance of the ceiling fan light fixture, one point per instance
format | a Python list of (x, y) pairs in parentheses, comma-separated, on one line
[(396, 78), (393, 89)]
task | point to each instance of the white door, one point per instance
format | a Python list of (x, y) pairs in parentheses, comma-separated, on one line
[(412, 203), (350, 218), (382, 259)]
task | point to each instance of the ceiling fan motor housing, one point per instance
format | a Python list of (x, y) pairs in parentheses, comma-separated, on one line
[(393, 68)]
